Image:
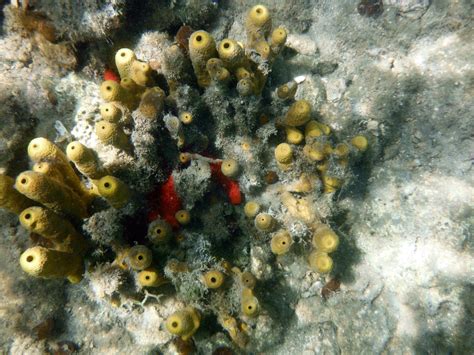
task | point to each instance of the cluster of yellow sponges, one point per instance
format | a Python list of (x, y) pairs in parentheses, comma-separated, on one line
[(230, 61), (318, 148), (135, 91), (51, 196)]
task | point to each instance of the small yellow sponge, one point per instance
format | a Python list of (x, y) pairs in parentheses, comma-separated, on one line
[(10, 198), (51, 193), (320, 261), (115, 191), (281, 243), (298, 114), (139, 257), (85, 160), (150, 277), (184, 323), (42, 262), (202, 47), (112, 133), (58, 230), (258, 24), (41, 149), (213, 279)]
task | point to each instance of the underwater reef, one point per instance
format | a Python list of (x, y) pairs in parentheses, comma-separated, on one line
[(236, 177)]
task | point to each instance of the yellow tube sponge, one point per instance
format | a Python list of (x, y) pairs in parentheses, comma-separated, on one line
[(258, 24), (248, 280), (287, 91), (281, 243), (110, 90), (58, 230), (112, 134), (293, 135), (330, 183), (249, 303), (298, 114), (51, 193), (231, 53), (150, 277), (115, 191), (42, 262), (264, 222), (360, 143), (41, 149), (48, 168), (314, 152), (325, 240), (140, 73), (263, 48), (85, 160), (184, 323), (341, 150), (11, 199), (230, 167), (183, 217), (186, 117), (217, 71), (279, 36), (202, 47), (284, 153), (251, 209), (152, 103), (245, 87), (320, 261), (159, 231), (213, 279), (124, 59), (139, 257)]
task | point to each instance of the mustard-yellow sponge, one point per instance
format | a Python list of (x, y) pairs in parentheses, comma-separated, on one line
[(360, 143), (281, 243), (202, 47), (325, 239), (113, 134), (110, 112), (245, 87), (48, 168), (42, 262), (41, 149), (51, 226), (278, 39), (258, 24), (264, 222), (124, 59), (85, 160), (159, 231), (251, 209), (115, 191), (139, 257), (140, 73), (183, 217), (213, 279), (298, 114), (150, 277), (287, 91), (320, 262), (51, 193), (248, 280), (230, 167), (231, 53), (249, 303), (184, 323), (11, 199)]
